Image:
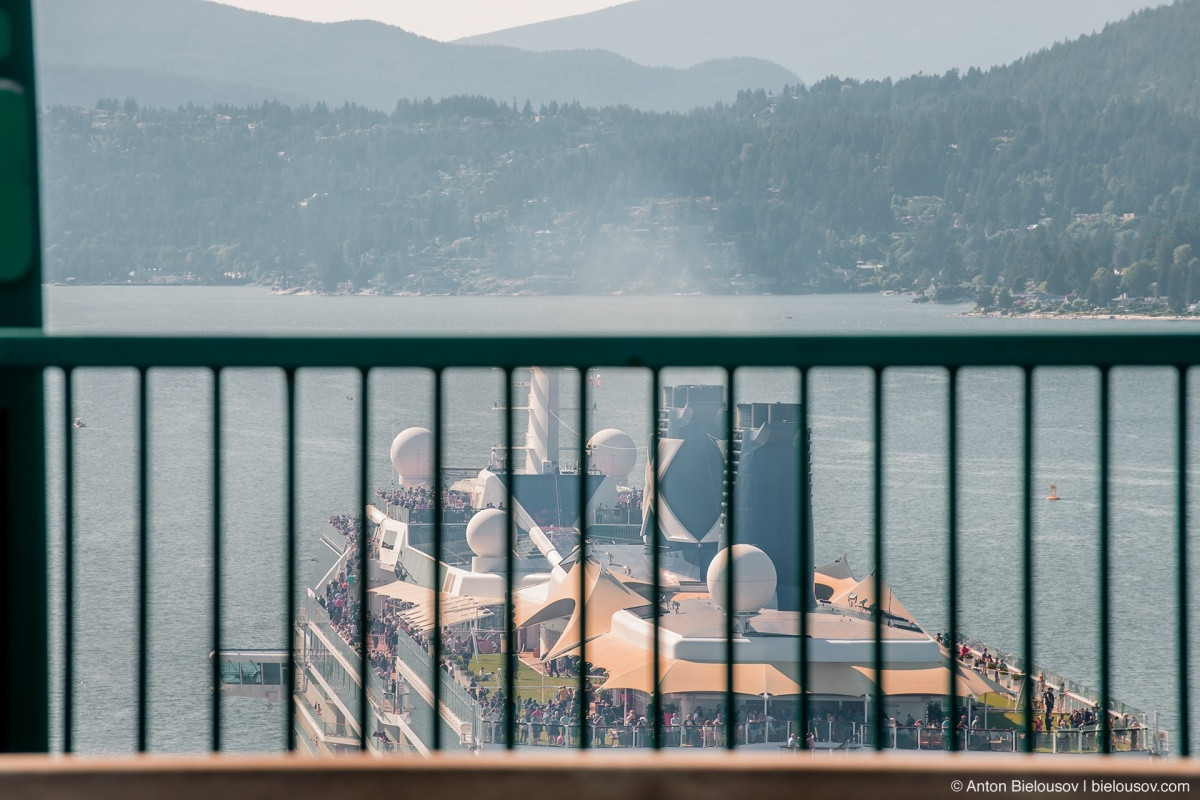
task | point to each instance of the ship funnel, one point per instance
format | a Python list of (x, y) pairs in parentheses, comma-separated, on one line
[(541, 437)]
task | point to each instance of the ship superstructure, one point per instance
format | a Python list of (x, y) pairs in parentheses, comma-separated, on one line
[(613, 582)]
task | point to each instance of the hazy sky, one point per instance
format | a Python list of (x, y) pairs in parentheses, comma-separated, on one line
[(437, 19)]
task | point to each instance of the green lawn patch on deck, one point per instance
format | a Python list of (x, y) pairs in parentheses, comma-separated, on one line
[(529, 682)]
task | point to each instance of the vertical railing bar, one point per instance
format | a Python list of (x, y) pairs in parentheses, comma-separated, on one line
[(1027, 548), (803, 497), (69, 560), (24, 533), (877, 612), (143, 625), (1182, 597), (730, 567), (215, 734), (656, 553), (1105, 548), (439, 511), (364, 629), (290, 567), (952, 543), (510, 605), (8, 669), (584, 738)]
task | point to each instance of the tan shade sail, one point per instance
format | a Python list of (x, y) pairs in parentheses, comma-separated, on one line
[(976, 683), (679, 677), (926, 680), (864, 596), (836, 575), (836, 586), (614, 654), (836, 680), (628, 667), (528, 599), (604, 596)]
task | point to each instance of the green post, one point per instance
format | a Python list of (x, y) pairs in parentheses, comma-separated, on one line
[(24, 652)]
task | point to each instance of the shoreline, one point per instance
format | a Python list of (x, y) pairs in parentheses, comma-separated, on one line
[(1085, 315), (312, 292)]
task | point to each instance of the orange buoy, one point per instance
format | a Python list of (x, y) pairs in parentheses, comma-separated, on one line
[(1053, 492)]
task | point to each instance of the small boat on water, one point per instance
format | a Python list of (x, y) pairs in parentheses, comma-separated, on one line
[(79, 423), (1053, 492)]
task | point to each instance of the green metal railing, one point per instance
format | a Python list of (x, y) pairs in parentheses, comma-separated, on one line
[(27, 352), (25, 725)]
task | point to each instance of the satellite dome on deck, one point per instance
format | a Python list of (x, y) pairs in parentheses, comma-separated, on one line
[(485, 533), (613, 453), (754, 578), (412, 455)]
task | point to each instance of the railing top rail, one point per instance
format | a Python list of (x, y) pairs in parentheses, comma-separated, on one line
[(30, 348)]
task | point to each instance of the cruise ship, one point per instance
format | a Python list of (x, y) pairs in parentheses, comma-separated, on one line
[(707, 589)]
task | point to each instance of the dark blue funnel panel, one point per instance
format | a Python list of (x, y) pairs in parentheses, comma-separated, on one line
[(768, 494), (691, 467), (552, 499)]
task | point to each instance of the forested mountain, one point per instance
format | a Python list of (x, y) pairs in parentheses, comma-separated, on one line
[(953, 181), (169, 52), (863, 39), (1151, 54)]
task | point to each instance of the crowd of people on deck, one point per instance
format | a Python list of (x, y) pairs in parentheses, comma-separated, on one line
[(554, 719), (979, 660), (414, 498), (631, 499), (341, 601), (614, 723), (347, 526), (420, 498), (982, 660)]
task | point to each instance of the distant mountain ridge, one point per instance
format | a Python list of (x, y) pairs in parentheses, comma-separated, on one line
[(863, 39), (170, 52)]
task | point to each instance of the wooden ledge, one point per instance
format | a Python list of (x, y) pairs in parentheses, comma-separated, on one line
[(627, 775)]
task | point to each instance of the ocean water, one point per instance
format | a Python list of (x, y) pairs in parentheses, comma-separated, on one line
[(915, 526)]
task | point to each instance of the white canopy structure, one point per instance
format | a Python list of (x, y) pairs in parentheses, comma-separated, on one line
[(455, 608)]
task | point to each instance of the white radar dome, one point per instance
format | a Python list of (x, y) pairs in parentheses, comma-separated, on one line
[(613, 453), (412, 455), (754, 578), (485, 533)]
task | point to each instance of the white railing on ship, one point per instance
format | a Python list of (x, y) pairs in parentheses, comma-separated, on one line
[(378, 694), (560, 734), (826, 736), (1078, 694), (456, 699)]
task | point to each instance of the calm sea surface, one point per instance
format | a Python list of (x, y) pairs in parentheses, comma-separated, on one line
[(1066, 621)]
